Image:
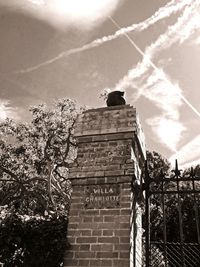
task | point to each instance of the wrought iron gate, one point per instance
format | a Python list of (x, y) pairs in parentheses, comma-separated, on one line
[(172, 219)]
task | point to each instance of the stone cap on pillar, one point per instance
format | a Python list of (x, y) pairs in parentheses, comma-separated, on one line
[(115, 119), (110, 120)]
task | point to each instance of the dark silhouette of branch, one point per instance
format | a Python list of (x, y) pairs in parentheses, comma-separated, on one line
[(10, 173), (48, 144), (68, 140)]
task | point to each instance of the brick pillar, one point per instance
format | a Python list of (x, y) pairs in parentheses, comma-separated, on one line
[(110, 154)]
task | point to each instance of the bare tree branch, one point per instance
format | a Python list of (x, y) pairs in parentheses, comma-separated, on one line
[(68, 140), (10, 173)]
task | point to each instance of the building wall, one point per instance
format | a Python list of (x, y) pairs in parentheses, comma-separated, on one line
[(110, 154)]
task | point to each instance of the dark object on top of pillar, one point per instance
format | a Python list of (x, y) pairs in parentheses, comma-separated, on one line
[(115, 98)]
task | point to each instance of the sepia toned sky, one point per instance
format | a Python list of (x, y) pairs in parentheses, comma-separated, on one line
[(73, 48)]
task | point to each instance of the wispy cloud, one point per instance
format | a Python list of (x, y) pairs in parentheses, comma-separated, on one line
[(168, 131), (61, 13), (197, 41), (37, 2), (162, 13), (156, 85), (167, 97), (6, 111), (163, 94), (189, 154), (78, 9), (186, 24)]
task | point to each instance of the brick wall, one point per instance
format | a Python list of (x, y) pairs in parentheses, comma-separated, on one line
[(110, 154)]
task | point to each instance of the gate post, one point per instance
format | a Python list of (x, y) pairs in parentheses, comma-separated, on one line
[(147, 216), (103, 229)]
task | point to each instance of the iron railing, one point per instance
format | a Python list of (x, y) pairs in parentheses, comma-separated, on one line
[(171, 219)]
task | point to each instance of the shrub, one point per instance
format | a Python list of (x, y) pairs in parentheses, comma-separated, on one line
[(32, 241)]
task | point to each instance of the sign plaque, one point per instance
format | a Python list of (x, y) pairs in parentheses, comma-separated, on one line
[(102, 196)]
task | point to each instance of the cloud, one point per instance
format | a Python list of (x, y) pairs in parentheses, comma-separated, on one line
[(62, 13), (191, 164), (189, 154), (163, 12), (168, 131), (6, 111), (37, 2), (192, 26), (186, 24), (164, 95), (79, 10), (196, 41), (156, 85), (167, 98)]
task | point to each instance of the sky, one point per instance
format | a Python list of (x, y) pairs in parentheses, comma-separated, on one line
[(150, 49)]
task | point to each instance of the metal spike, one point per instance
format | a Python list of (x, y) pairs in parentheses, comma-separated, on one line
[(192, 172), (177, 171)]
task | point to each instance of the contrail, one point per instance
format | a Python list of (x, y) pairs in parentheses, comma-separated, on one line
[(136, 46), (172, 35), (147, 59), (61, 55), (163, 12)]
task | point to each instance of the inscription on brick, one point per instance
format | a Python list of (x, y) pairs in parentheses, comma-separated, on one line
[(102, 196)]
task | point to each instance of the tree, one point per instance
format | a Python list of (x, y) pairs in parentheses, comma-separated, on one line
[(159, 166), (34, 186), (157, 163), (179, 212), (34, 159), (188, 207), (32, 241)]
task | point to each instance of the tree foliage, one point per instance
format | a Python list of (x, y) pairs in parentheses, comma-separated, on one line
[(34, 159), (187, 206), (34, 185), (157, 164), (32, 241)]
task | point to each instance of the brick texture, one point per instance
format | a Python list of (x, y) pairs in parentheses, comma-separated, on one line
[(110, 152)]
